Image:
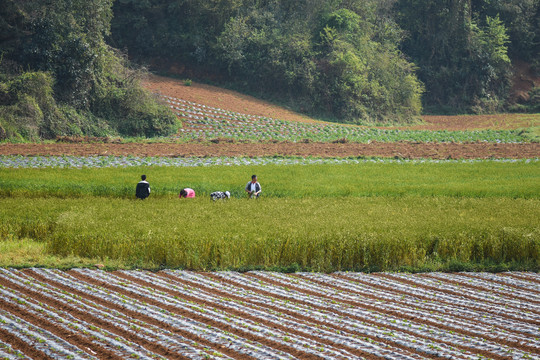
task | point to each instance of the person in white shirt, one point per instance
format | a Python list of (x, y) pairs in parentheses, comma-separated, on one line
[(253, 188)]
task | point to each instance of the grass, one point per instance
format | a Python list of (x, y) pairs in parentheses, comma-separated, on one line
[(480, 179), (314, 234), (415, 217), (24, 253)]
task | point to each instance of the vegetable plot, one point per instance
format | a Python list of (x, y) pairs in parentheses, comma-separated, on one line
[(89, 314), (205, 122), (34, 162)]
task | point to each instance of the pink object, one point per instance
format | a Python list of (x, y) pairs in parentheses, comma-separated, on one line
[(190, 193)]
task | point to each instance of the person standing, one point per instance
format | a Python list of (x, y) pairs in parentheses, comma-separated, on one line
[(253, 188), (142, 191), (187, 193)]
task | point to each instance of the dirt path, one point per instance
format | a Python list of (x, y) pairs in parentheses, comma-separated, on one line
[(389, 150)]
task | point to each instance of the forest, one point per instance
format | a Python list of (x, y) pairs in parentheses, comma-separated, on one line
[(346, 59), (58, 75), (73, 67)]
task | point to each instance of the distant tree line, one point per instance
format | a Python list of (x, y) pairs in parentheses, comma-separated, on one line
[(339, 59), (347, 59), (59, 77), (463, 48)]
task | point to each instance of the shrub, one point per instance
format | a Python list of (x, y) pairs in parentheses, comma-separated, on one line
[(75, 84)]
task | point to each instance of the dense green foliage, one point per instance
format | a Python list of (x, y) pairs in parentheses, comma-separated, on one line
[(58, 76), (342, 58), (462, 48), (333, 58), (350, 60), (321, 218)]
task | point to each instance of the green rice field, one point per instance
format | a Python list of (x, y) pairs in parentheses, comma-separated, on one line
[(362, 217)]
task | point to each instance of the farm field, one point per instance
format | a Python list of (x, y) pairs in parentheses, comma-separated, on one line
[(404, 150), (336, 198), (89, 314), (206, 123), (70, 177), (211, 96), (372, 215)]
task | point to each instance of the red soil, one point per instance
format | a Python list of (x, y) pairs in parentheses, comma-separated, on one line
[(221, 98), (400, 150)]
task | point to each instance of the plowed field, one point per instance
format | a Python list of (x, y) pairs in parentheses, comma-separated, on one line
[(91, 314), (402, 150)]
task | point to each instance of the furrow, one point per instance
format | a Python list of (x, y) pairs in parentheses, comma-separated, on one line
[(477, 340), (446, 323), (184, 335), (123, 341), (213, 333), (219, 318), (118, 345), (21, 306), (20, 346), (526, 343), (480, 288), (255, 314), (7, 352), (523, 276), (392, 325), (453, 290), (125, 332), (89, 314), (305, 314), (430, 293), (388, 300), (445, 282), (51, 345), (505, 281)]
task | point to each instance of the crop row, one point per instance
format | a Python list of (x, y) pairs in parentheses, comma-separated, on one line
[(89, 314), (133, 161), (205, 122)]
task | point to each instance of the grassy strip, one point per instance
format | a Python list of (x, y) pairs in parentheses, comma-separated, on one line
[(480, 179), (317, 234)]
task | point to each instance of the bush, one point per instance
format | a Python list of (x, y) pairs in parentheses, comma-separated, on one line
[(534, 100), (75, 83), (30, 112)]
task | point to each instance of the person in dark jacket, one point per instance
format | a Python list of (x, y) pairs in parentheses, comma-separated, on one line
[(143, 188)]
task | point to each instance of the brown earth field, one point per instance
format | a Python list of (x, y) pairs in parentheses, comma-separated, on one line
[(234, 101), (89, 314), (397, 150)]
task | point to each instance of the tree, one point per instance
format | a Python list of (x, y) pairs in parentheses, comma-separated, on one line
[(462, 56)]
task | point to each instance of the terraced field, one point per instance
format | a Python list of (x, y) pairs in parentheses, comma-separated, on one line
[(89, 314), (207, 122)]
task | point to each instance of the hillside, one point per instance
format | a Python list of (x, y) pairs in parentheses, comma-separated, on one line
[(220, 98), (217, 97), (355, 61), (58, 76)]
